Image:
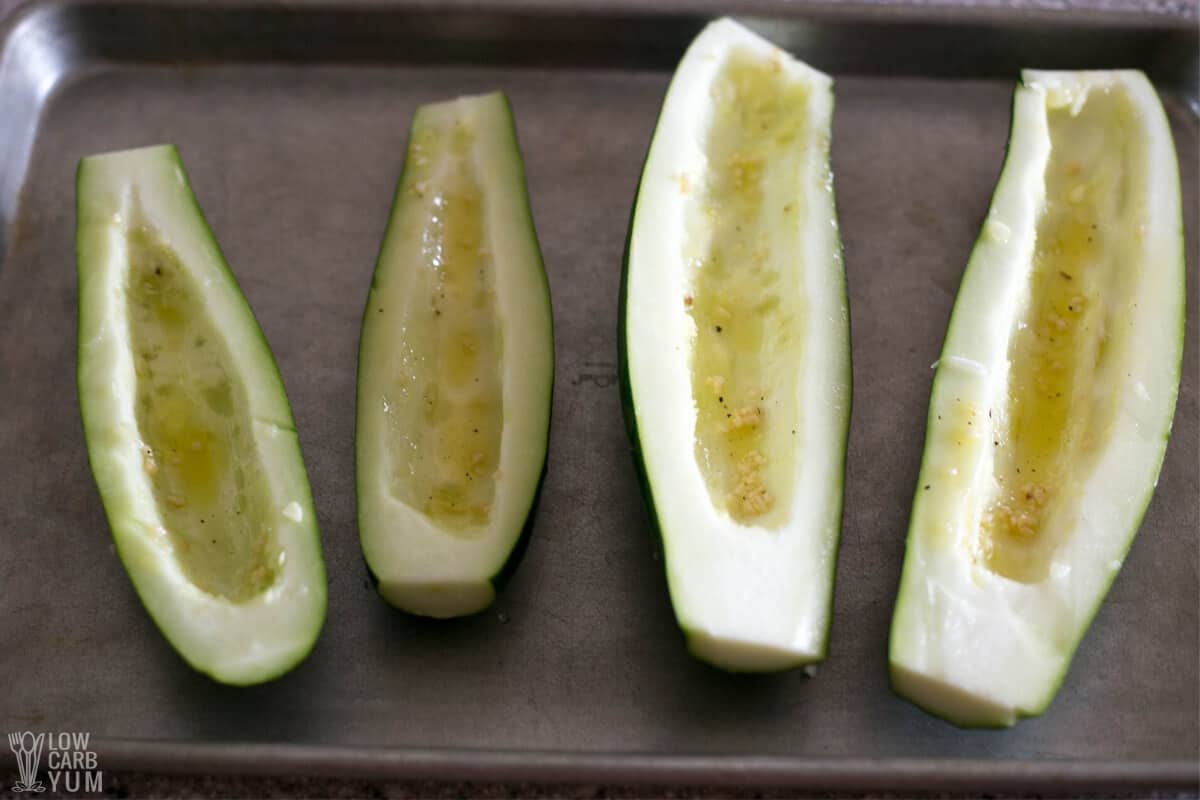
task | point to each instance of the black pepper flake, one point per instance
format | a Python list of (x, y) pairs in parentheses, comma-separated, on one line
[(927, 487), (718, 328), (721, 398), (1065, 275)]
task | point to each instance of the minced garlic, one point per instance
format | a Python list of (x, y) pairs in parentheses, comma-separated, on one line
[(745, 417)]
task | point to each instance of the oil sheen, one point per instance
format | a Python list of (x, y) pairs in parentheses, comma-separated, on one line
[(197, 445), (1065, 370), (745, 299), (445, 411)]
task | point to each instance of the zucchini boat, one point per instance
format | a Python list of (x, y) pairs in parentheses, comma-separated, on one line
[(735, 351), (189, 432), (1052, 401), (455, 367)]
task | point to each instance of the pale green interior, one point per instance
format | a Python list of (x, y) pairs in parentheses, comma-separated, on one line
[(445, 407), (198, 448), (1065, 373), (744, 246)]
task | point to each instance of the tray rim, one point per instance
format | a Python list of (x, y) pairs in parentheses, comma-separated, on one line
[(1074, 13), (641, 767), (998, 13)]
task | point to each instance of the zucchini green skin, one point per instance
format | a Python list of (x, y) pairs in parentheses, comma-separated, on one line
[(901, 678), (231, 668), (698, 642), (499, 573)]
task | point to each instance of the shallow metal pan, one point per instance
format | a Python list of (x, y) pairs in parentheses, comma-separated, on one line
[(291, 119)]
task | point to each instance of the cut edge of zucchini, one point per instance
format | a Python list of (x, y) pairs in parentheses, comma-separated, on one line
[(965, 642), (747, 598), (421, 565), (238, 642)]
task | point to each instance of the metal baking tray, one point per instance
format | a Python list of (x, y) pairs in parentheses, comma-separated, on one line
[(291, 118)]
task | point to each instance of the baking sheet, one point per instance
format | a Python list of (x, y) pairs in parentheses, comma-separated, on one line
[(291, 120)]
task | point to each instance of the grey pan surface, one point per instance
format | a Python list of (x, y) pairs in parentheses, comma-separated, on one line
[(291, 120)]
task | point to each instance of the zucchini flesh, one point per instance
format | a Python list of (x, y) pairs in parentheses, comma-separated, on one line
[(1052, 401), (188, 428), (456, 366), (735, 350)]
